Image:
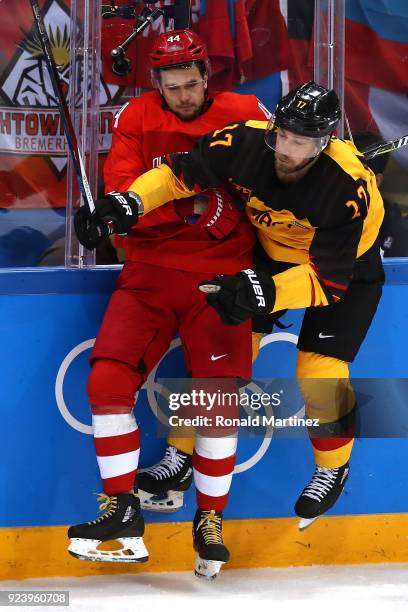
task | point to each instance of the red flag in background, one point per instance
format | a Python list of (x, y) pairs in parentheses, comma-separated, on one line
[(377, 67), (300, 17), (243, 40), (376, 51), (224, 28), (269, 38), (246, 40), (375, 54)]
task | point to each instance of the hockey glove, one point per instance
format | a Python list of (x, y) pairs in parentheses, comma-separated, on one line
[(221, 215), (115, 213), (240, 297)]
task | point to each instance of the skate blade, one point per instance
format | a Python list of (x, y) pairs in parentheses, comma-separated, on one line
[(207, 569), (172, 501), (304, 523), (121, 550)]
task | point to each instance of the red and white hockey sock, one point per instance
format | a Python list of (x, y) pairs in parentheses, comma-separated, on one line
[(213, 466), (117, 443)]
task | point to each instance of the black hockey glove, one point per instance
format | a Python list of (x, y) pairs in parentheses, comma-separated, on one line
[(115, 213), (240, 297)]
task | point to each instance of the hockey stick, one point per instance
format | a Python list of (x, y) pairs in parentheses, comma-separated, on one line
[(385, 147), (63, 108)]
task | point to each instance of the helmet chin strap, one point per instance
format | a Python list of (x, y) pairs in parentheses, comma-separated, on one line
[(308, 163), (298, 173)]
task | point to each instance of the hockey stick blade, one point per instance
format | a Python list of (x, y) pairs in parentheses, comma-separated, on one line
[(75, 153), (385, 147)]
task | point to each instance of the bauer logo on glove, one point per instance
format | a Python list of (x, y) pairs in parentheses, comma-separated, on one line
[(115, 213), (240, 297), (122, 209)]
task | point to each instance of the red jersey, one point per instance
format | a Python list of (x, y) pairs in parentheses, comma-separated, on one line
[(144, 130)]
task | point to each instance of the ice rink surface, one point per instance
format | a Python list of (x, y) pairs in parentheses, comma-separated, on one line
[(365, 588)]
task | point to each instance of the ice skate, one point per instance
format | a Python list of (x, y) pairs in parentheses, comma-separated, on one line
[(320, 494), (116, 536), (207, 541), (161, 486)]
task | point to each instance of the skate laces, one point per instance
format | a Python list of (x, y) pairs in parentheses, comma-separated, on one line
[(322, 481), (170, 465), (211, 527), (109, 504)]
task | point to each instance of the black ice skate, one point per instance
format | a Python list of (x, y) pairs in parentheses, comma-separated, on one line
[(207, 541), (161, 486), (116, 536), (321, 493)]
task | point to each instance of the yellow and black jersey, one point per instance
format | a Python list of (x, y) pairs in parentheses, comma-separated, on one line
[(323, 222)]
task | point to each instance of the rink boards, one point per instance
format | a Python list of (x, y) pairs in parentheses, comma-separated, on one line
[(48, 475)]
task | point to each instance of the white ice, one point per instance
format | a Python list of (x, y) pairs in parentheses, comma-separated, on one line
[(368, 588)]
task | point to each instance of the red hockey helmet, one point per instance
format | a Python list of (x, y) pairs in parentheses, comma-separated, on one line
[(177, 47)]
